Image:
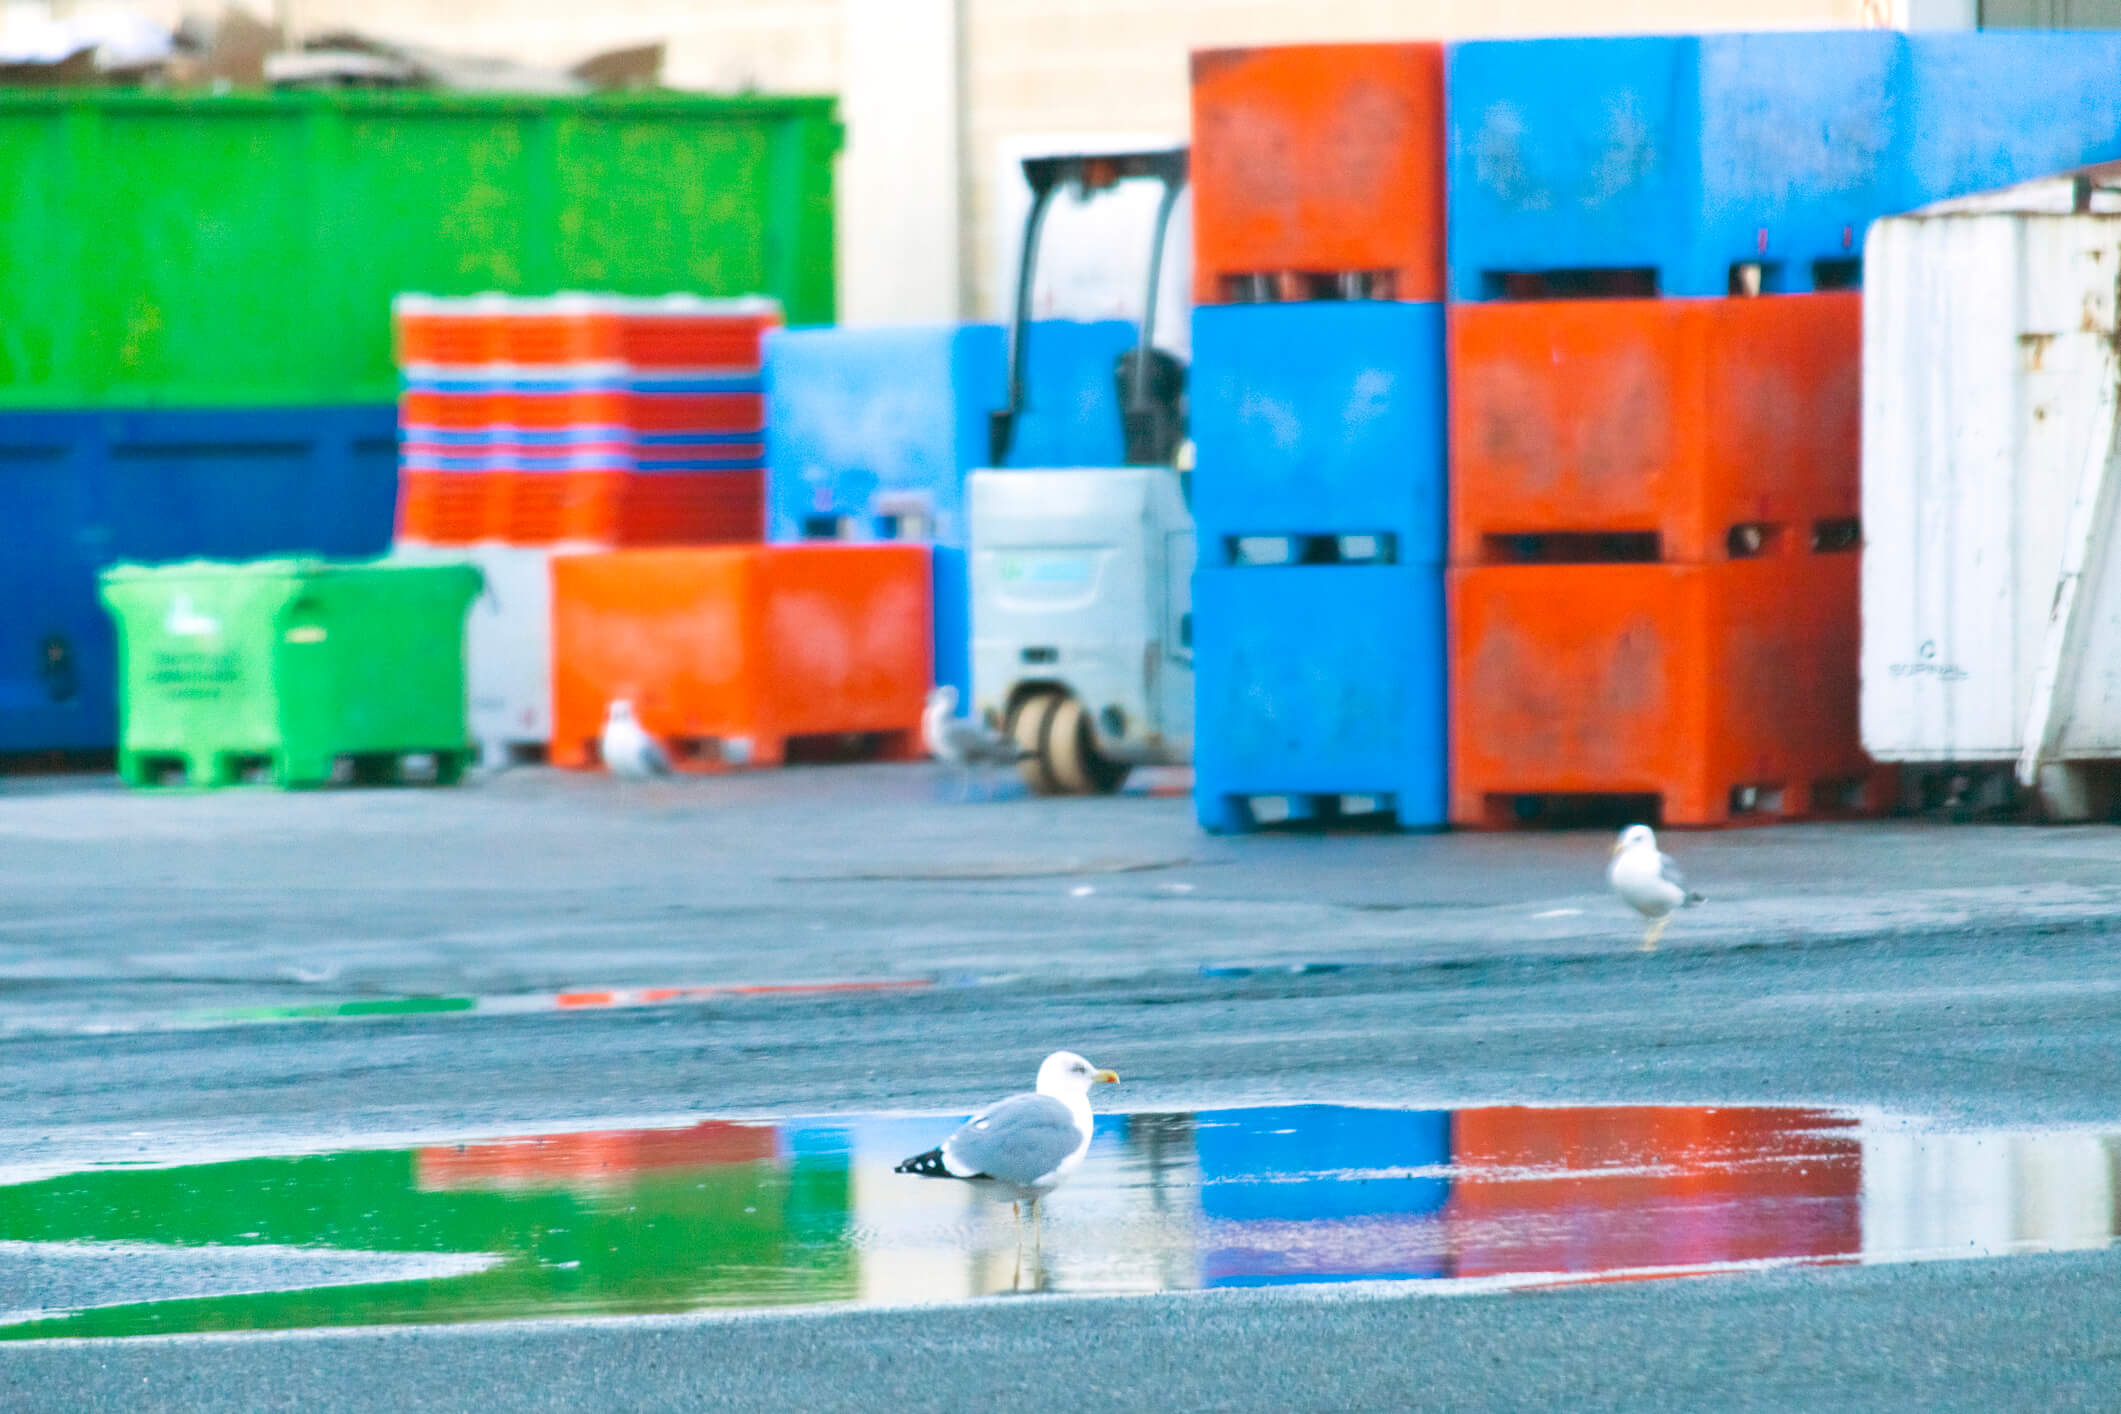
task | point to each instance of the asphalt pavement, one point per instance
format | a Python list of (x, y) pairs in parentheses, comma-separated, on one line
[(1962, 974)]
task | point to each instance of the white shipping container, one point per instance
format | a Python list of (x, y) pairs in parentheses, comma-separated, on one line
[(1991, 598)]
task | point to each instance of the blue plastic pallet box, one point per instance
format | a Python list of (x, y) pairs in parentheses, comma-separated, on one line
[(1071, 413), (950, 587), (1992, 108), (1315, 682), (1320, 418), (83, 490), (1681, 155), (867, 423), (870, 432)]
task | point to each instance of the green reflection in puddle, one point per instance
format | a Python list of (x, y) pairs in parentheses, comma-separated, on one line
[(711, 1217)]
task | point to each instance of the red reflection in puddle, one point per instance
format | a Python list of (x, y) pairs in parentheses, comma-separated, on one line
[(1613, 1190), (588, 1159)]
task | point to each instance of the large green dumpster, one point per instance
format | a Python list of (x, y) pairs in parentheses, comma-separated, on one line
[(242, 249), (291, 668)]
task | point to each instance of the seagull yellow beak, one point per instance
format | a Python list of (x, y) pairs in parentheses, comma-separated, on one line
[(1108, 1077), (1616, 849)]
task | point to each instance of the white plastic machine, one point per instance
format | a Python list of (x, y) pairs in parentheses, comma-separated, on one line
[(1081, 577), (1082, 620)]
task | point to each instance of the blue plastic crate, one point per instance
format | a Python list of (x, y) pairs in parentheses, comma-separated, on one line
[(1993, 108), (1071, 412), (1317, 682), (877, 427), (951, 588), (870, 432), (83, 490), (1320, 419), (1683, 155)]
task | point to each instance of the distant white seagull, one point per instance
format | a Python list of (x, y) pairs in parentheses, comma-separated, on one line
[(960, 741), (629, 752), (1648, 881), (1022, 1147)]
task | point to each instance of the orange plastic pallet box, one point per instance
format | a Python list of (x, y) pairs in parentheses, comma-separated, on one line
[(1716, 425), (1729, 690), (1315, 161), (730, 654)]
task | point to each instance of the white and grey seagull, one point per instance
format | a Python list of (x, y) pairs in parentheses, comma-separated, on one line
[(962, 742), (1648, 881), (1021, 1148), (629, 752)]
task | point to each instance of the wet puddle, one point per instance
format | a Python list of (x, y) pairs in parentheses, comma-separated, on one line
[(808, 1211)]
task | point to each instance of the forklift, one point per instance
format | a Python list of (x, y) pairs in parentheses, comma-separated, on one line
[(1081, 577)]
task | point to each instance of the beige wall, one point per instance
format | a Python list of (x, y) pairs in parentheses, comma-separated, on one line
[(899, 188)]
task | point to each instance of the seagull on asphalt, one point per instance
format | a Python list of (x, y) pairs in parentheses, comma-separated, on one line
[(1648, 881), (629, 752), (1022, 1147), (962, 742)]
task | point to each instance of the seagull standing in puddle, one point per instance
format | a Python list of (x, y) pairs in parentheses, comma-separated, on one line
[(1648, 881), (1021, 1148)]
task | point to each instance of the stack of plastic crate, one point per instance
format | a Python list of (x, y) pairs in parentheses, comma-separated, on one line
[(582, 419), (1654, 440), (536, 427), (1318, 418), (1655, 393)]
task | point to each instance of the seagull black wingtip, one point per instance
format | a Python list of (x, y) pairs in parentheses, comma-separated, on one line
[(930, 1165)]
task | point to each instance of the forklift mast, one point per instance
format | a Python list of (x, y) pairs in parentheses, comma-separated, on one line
[(1151, 382)]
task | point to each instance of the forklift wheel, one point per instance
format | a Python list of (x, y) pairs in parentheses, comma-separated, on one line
[(1071, 755), (1028, 726)]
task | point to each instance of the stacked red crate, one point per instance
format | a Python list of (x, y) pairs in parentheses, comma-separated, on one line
[(582, 419), (1654, 549)]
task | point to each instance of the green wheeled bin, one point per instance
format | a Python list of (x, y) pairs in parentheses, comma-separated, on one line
[(309, 670)]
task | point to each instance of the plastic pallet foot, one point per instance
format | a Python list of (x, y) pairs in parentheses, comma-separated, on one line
[(1220, 814)]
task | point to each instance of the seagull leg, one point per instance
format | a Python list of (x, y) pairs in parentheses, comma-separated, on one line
[(1655, 931)]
